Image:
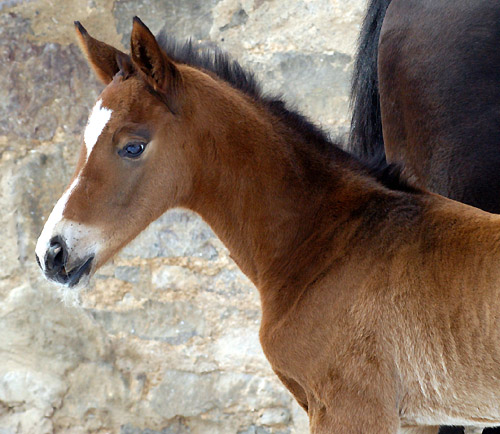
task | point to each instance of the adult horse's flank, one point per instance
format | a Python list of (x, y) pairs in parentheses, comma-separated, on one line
[(439, 80), (363, 279), (435, 95)]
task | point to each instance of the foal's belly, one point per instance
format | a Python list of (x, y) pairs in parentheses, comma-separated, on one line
[(463, 395), (463, 415)]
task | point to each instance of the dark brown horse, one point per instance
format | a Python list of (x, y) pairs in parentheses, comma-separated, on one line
[(438, 82), (433, 103), (363, 279)]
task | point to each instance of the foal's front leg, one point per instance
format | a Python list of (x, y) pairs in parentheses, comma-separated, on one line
[(353, 417), (418, 430)]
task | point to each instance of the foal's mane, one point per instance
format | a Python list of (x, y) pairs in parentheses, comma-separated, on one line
[(216, 61)]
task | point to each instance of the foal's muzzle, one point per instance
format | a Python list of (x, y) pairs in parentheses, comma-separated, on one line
[(56, 264)]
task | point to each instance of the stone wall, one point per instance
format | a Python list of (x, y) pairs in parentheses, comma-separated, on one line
[(166, 338)]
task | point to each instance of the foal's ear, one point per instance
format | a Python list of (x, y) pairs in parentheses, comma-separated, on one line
[(157, 69), (103, 58)]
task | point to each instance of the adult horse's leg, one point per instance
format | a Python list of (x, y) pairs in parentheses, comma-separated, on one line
[(452, 430)]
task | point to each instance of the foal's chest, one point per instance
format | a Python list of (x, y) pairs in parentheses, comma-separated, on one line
[(326, 341), (304, 341)]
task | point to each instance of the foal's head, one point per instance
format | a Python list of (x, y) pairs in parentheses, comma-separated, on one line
[(134, 162)]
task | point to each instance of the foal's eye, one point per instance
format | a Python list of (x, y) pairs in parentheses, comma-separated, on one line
[(132, 150)]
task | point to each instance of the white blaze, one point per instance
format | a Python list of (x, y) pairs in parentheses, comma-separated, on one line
[(97, 121), (55, 217), (84, 240)]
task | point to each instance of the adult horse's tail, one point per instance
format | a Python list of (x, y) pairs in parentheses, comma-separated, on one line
[(365, 139)]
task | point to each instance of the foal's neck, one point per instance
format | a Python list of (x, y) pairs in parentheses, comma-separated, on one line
[(271, 198)]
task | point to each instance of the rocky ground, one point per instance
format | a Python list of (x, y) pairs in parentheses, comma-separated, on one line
[(166, 338)]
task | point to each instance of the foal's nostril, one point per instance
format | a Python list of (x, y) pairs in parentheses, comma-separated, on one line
[(55, 258)]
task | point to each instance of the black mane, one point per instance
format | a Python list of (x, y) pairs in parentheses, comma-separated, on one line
[(223, 66)]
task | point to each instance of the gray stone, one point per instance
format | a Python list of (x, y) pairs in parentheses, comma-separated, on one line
[(238, 18), (255, 430), (175, 427), (45, 86), (128, 274), (10, 3), (176, 233), (185, 19), (317, 83), (174, 323), (188, 394), (274, 416)]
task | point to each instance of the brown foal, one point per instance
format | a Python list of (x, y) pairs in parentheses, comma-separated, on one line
[(379, 300)]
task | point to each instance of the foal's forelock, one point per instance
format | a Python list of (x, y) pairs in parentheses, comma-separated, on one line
[(67, 234)]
